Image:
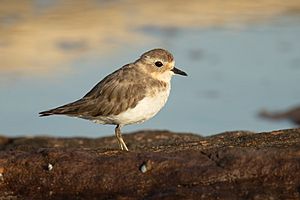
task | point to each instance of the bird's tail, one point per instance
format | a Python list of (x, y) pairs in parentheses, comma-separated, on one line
[(68, 109), (44, 113), (55, 111)]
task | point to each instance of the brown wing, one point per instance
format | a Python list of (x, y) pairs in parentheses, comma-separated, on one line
[(117, 92)]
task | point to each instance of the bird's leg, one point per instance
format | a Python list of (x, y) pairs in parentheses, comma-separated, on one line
[(118, 135), (119, 138)]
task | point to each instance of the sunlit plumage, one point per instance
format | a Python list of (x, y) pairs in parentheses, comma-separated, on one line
[(132, 94)]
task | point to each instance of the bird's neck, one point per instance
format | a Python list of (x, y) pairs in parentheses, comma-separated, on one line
[(165, 77)]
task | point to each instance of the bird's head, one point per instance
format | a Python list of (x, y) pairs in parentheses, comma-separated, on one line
[(160, 64)]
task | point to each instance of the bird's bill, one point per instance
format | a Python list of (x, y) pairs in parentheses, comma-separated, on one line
[(178, 71)]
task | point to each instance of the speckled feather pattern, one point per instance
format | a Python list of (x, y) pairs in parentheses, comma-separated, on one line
[(159, 53), (118, 92), (133, 94), (112, 95)]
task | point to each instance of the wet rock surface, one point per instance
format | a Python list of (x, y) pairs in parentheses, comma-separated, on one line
[(159, 165)]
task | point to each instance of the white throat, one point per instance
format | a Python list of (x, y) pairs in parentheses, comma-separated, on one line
[(166, 76)]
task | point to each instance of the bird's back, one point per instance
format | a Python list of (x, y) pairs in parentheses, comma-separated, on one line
[(117, 92)]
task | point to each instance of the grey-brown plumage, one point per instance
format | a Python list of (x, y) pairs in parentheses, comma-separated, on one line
[(110, 96), (123, 90)]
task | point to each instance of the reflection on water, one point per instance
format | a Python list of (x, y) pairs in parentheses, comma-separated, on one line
[(241, 57), (38, 36)]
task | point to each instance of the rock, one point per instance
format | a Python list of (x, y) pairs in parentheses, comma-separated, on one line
[(292, 114), (159, 165)]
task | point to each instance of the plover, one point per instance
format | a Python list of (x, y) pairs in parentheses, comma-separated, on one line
[(132, 94)]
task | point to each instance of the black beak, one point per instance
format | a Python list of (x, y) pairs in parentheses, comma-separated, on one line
[(178, 71)]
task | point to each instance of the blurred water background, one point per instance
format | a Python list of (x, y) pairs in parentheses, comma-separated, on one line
[(241, 57)]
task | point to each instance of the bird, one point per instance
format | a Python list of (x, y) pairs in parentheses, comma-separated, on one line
[(130, 95)]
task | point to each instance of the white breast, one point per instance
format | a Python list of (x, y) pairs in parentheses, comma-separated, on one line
[(144, 110)]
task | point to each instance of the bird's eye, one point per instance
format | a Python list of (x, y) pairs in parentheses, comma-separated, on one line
[(158, 64)]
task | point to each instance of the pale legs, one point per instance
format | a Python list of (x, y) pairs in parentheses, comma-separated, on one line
[(119, 138)]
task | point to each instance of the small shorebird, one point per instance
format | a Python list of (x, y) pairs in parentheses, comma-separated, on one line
[(132, 94)]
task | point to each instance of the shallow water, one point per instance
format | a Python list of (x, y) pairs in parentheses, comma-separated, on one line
[(238, 63)]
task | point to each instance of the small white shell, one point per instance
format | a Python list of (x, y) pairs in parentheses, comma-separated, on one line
[(50, 166), (143, 168)]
